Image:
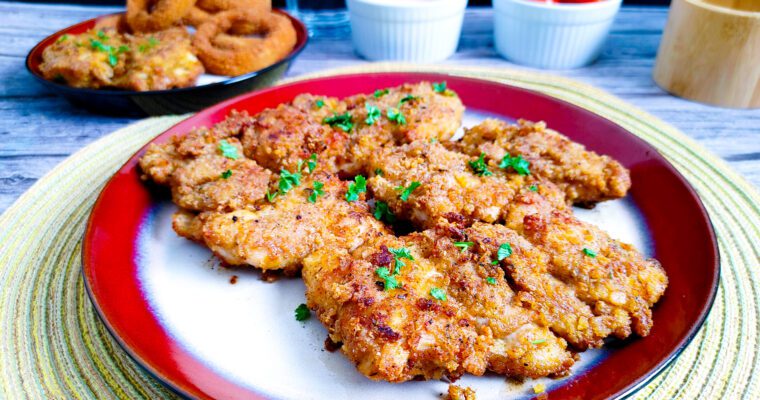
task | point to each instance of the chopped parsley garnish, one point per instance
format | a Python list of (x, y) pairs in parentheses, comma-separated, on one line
[(226, 174), (533, 188), (373, 114), (113, 60), (289, 180), (589, 252), (519, 164), (409, 97), (398, 254), (439, 87), (359, 185), (123, 49), (342, 121), (102, 35), (438, 294), (505, 250), (319, 103), (316, 192), (406, 191), (383, 213), (396, 116), (463, 245), (390, 281), (228, 150), (311, 163), (152, 42), (380, 93), (433, 140), (378, 172), (271, 196), (302, 313), (491, 280), (63, 38), (538, 341), (479, 167), (98, 45)]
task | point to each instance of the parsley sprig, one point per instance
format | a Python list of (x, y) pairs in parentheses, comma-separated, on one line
[(226, 174), (491, 280), (479, 166), (463, 246), (98, 45), (406, 191), (395, 115), (440, 88), (505, 250), (311, 163), (398, 254), (302, 313), (380, 93), (409, 97), (383, 212), (519, 164), (373, 114), (344, 122), (316, 191), (589, 252), (228, 150), (289, 180), (438, 294), (390, 281), (319, 103), (359, 185)]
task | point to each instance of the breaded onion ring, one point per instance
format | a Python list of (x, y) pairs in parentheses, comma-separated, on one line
[(196, 16), (156, 15), (263, 6), (223, 53)]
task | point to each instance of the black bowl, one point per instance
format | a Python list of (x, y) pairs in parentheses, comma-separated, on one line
[(161, 102)]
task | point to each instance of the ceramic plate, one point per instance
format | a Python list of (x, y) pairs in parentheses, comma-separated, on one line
[(209, 90), (179, 314)]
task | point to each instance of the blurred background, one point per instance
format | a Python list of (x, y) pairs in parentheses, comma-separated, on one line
[(281, 3)]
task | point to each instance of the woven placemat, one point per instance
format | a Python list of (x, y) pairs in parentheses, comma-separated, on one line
[(53, 346)]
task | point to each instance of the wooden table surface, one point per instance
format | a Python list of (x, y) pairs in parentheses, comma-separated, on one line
[(38, 129)]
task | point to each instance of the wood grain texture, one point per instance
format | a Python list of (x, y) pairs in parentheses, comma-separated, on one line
[(38, 129)]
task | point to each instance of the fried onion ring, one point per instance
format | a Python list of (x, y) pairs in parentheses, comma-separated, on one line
[(263, 6), (196, 16), (224, 48), (156, 15)]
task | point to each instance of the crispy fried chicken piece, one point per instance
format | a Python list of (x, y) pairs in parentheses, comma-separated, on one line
[(279, 235), (585, 176), (200, 175), (449, 187), (343, 134), (399, 333), (610, 276)]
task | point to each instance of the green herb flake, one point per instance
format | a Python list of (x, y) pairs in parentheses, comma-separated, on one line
[(311, 163), (519, 164), (439, 87), (538, 341), (383, 212), (380, 93), (271, 196), (123, 49), (406, 191), (302, 313), (316, 192), (373, 114), (288, 180), (359, 185), (319, 103), (463, 245), (433, 140), (491, 280), (153, 42), (438, 294), (62, 38), (394, 115), (589, 252), (228, 150), (398, 254), (409, 97), (390, 281), (533, 188), (479, 167), (102, 35), (344, 121), (113, 60), (505, 250), (226, 174), (378, 172)]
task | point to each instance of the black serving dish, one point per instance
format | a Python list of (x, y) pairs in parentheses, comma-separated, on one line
[(161, 102)]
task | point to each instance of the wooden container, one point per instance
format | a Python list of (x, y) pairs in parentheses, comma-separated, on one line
[(710, 52)]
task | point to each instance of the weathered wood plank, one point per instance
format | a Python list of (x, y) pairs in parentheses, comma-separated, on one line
[(38, 129)]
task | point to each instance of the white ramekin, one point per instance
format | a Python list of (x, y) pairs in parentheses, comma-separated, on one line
[(406, 30), (550, 35)]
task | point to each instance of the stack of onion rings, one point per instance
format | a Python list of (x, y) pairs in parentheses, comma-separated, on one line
[(156, 15), (225, 49)]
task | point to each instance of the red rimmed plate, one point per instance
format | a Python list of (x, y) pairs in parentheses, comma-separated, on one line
[(176, 312)]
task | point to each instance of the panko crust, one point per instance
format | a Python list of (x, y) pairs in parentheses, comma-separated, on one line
[(585, 176)]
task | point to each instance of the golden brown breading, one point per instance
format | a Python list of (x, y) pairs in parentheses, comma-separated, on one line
[(397, 334), (459, 393), (105, 58), (200, 176), (279, 235), (585, 176), (610, 276), (449, 187)]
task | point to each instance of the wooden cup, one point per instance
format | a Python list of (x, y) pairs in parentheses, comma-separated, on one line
[(710, 52)]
